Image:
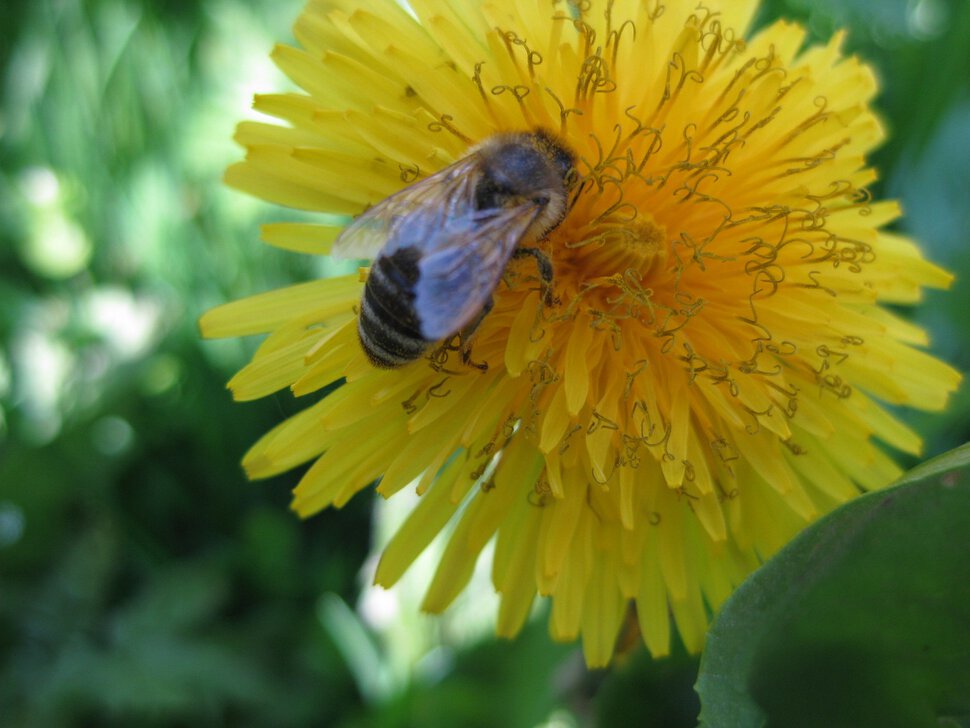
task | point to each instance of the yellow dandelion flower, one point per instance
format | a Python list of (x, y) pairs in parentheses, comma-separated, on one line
[(711, 370)]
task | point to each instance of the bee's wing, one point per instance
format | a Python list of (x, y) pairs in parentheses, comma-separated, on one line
[(468, 258), (447, 193)]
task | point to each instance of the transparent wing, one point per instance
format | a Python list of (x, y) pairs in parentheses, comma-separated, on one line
[(470, 254), (426, 204)]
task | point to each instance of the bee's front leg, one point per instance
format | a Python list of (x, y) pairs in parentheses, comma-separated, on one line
[(465, 337), (466, 359), (545, 270)]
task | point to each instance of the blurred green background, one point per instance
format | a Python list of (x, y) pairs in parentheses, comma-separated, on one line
[(143, 581)]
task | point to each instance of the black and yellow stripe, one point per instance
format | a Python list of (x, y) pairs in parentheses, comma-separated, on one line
[(389, 329)]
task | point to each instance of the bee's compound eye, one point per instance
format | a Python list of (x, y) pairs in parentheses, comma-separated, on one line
[(562, 157)]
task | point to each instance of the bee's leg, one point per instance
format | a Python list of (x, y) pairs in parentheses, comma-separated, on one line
[(465, 337), (545, 270)]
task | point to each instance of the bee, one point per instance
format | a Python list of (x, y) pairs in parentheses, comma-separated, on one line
[(441, 245)]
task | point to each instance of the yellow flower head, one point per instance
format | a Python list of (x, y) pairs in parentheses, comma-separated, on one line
[(710, 371)]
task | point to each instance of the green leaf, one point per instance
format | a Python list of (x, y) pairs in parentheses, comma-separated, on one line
[(863, 620)]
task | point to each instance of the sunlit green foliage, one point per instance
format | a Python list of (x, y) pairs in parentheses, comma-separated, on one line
[(142, 579)]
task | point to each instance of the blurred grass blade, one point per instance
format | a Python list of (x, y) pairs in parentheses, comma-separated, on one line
[(863, 620), (360, 652)]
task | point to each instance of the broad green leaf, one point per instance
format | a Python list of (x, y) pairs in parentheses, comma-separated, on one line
[(863, 620)]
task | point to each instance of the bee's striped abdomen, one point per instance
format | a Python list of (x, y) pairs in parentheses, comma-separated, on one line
[(388, 325)]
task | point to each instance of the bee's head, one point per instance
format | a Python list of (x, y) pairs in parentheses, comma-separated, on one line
[(525, 167), (525, 164), (558, 154)]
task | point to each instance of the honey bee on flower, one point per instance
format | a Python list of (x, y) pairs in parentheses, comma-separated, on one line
[(695, 363), (441, 245)]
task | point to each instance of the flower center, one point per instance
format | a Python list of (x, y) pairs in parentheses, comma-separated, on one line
[(599, 252)]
